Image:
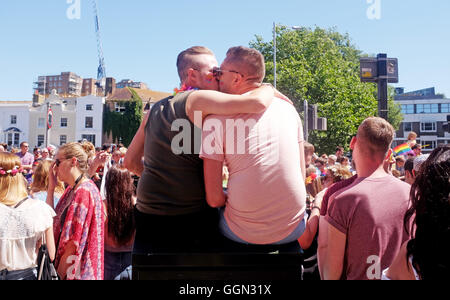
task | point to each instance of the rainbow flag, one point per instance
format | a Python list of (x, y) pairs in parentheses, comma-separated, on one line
[(402, 149)]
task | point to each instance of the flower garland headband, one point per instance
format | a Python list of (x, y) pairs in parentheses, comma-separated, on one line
[(11, 172), (310, 178), (183, 88)]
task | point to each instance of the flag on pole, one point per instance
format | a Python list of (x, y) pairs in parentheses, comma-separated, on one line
[(402, 149), (49, 118)]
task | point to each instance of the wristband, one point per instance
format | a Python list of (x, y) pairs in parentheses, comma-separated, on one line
[(315, 207)]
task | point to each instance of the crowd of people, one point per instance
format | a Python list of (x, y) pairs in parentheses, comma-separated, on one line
[(239, 177)]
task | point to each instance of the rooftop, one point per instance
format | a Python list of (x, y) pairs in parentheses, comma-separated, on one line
[(124, 94)]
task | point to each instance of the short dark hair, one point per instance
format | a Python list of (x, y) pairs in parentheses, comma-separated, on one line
[(400, 158), (249, 60), (416, 146), (322, 161), (185, 60), (409, 164)]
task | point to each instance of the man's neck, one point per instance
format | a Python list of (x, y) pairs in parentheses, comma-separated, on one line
[(370, 169)]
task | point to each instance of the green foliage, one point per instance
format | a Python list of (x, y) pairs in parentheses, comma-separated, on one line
[(322, 67), (123, 126), (395, 115)]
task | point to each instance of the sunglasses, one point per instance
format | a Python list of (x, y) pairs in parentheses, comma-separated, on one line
[(58, 161), (218, 72)]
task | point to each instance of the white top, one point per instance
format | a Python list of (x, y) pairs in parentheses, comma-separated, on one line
[(20, 229)]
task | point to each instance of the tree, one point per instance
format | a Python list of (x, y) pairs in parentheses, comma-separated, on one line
[(322, 67), (123, 126)]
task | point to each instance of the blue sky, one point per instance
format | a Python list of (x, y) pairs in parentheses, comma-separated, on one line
[(142, 38)]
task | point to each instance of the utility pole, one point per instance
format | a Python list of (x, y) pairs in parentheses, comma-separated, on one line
[(274, 55), (380, 70), (382, 86), (305, 120), (46, 126)]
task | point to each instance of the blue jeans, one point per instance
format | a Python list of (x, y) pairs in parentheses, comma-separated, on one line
[(116, 263), (27, 274), (226, 231)]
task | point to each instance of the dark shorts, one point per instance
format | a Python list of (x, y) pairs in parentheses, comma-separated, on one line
[(28, 274), (116, 263), (192, 233)]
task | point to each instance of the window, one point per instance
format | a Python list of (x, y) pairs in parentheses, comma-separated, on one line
[(423, 108), (40, 140), (408, 108), (428, 126), (89, 107), (445, 107), (10, 139), (41, 122), (119, 107), (89, 122), (13, 119), (62, 140), (407, 127), (63, 122), (435, 108), (13, 139), (428, 145), (89, 138)]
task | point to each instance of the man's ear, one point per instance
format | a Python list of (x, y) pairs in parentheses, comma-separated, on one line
[(74, 161), (191, 75), (353, 143)]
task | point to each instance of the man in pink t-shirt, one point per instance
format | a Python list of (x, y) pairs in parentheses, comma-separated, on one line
[(365, 219), (266, 196)]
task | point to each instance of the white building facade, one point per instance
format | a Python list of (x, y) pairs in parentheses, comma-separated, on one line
[(89, 119), (426, 118), (14, 122)]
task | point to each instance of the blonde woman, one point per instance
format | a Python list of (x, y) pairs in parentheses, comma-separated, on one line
[(412, 136), (39, 185), (23, 223), (79, 224)]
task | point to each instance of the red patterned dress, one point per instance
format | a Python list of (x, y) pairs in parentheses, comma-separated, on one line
[(84, 226)]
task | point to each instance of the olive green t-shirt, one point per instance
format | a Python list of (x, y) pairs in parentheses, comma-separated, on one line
[(172, 180)]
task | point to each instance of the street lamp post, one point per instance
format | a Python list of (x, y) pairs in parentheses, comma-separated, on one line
[(275, 51), (274, 55)]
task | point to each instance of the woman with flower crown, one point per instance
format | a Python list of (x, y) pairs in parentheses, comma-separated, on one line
[(24, 223)]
